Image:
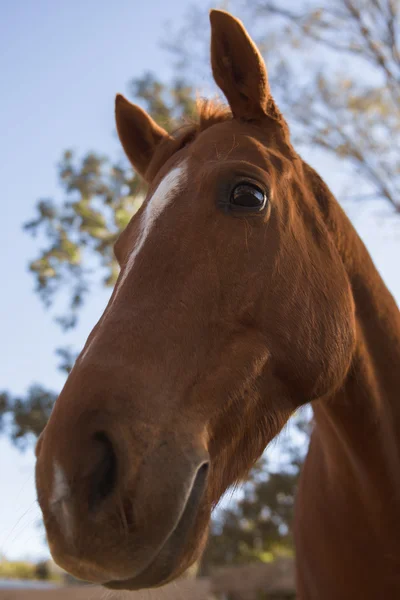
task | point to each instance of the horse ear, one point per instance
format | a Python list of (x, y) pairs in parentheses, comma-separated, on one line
[(138, 133), (239, 69)]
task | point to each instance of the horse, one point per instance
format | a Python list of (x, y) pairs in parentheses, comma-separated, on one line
[(244, 293)]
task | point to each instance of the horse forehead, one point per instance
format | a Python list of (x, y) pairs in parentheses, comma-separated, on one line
[(229, 140)]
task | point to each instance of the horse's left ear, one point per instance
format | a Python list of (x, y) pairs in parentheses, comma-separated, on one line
[(139, 134), (239, 68)]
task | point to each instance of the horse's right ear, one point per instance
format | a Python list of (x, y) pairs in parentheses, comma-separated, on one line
[(239, 70), (139, 134)]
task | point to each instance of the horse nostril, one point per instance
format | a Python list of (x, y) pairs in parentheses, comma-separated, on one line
[(103, 478)]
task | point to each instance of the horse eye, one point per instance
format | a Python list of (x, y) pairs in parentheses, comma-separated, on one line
[(248, 196)]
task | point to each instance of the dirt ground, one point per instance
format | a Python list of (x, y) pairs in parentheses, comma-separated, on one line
[(244, 582), (183, 590)]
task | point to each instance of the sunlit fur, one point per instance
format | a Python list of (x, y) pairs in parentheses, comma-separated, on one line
[(225, 324)]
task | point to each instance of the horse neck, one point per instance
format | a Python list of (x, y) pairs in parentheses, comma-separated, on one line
[(359, 426)]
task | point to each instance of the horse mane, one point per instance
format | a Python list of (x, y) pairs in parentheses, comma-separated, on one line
[(211, 112), (208, 113)]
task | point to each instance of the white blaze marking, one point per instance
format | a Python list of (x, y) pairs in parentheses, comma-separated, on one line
[(162, 196), (155, 206)]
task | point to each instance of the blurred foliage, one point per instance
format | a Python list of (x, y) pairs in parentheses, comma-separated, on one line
[(42, 570), (16, 570), (26, 570), (351, 104), (334, 68), (27, 416)]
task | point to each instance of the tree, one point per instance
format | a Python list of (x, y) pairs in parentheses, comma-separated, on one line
[(355, 114), (258, 526)]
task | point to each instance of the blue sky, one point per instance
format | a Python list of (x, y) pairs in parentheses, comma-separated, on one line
[(61, 65)]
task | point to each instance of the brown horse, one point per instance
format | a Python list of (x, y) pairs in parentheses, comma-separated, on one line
[(244, 293)]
